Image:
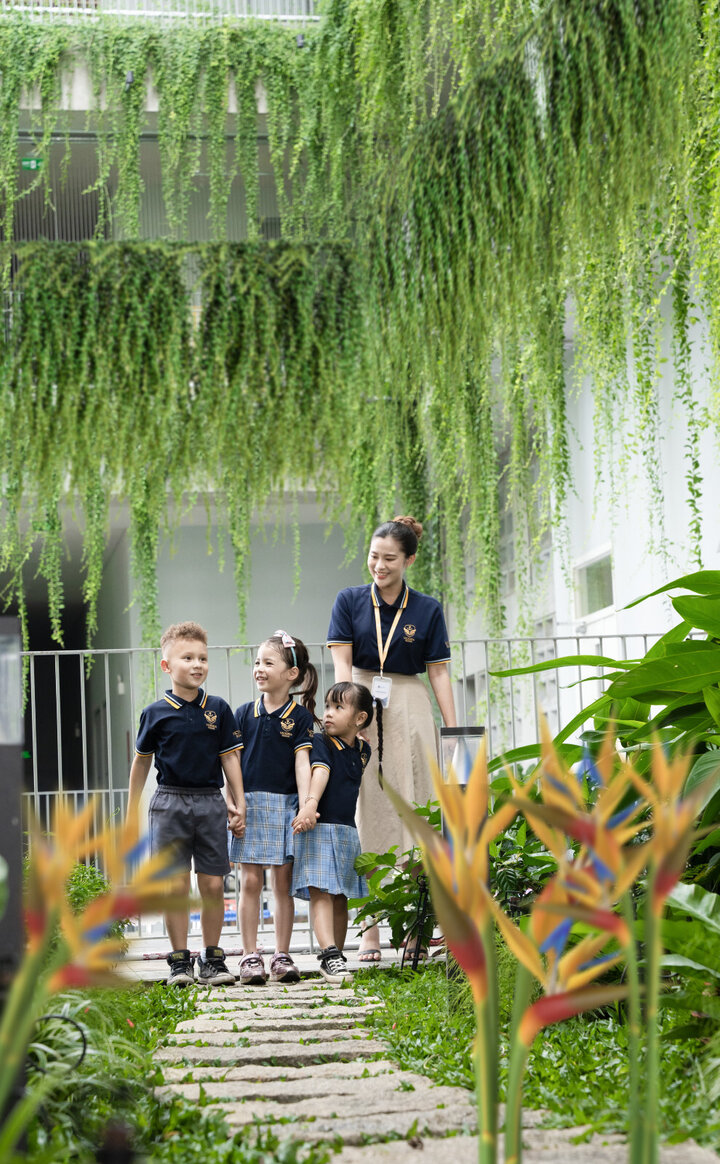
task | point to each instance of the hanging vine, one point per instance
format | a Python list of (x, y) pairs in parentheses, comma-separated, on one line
[(466, 177)]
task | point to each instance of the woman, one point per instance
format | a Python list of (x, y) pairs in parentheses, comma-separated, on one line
[(384, 635)]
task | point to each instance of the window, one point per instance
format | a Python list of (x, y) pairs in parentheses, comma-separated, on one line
[(593, 586)]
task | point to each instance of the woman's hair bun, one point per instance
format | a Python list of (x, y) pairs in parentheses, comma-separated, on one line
[(412, 522)]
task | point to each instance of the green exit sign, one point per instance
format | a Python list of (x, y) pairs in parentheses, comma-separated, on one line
[(31, 163)]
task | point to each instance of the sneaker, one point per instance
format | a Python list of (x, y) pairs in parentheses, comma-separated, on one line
[(181, 968), (212, 970), (333, 964), (283, 969), (252, 970)]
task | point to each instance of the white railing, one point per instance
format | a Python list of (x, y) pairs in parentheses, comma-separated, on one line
[(83, 708), (284, 11)]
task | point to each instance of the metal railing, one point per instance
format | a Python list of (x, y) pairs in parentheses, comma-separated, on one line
[(83, 708), (283, 11)]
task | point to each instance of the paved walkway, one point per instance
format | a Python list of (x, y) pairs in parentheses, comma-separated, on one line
[(299, 1057)]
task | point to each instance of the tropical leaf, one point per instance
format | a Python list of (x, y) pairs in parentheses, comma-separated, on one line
[(675, 635), (698, 903), (680, 962), (705, 770), (701, 612), (711, 695), (675, 674), (566, 661), (701, 582)]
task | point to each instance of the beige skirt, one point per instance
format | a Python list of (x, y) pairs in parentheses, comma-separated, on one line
[(410, 739)]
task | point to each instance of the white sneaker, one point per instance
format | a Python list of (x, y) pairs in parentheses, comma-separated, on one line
[(333, 964)]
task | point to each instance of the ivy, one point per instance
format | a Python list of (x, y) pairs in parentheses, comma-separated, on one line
[(449, 178)]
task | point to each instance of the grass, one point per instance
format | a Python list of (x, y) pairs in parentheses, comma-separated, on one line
[(114, 1086), (577, 1070)]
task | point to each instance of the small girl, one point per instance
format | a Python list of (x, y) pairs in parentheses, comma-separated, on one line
[(275, 736), (325, 854)]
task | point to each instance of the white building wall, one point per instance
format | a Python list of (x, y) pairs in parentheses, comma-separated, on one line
[(192, 587)]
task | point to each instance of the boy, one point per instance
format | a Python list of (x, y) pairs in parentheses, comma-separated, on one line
[(194, 739)]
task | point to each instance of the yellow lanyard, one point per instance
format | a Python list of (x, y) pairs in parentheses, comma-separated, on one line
[(383, 650)]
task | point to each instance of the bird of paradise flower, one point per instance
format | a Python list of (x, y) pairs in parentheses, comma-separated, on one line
[(85, 955), (591, 879)]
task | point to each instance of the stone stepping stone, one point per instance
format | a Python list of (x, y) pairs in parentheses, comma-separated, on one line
[(246, 1024), (541, 1146), (354, 1122), (293, 1089), (230, 1038), (247, 1013), (264, 1072), (286, 1054)]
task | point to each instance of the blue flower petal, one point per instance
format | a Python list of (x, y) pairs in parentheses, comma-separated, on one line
[(557, 938), (624, 814), (588, 768)]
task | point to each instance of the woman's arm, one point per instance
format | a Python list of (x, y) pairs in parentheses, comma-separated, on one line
[(439, 677), (342, 662)]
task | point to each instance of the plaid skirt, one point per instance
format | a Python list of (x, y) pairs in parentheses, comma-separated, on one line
[(325, 860), (268, 836)]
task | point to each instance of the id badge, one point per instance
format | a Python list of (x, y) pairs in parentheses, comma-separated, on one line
[(380, 688)]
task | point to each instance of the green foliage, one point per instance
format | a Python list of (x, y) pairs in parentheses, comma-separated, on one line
[(106, 387), (520, 865), (577, 1070), (691, 935), (395, 884), (468, 172), (84, 884), (672, 693), (115, 1081)]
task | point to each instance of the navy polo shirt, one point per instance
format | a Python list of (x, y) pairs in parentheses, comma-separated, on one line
[(270, 741), (188, 739), (346, 764), (420, 638)]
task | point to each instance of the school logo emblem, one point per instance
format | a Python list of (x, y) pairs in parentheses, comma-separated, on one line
[(364, 759), (409, 631), (286, 728), (211, 720)]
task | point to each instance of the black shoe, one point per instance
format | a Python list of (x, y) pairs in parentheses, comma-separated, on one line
[(212, 970), (333, 964), (181, 968)]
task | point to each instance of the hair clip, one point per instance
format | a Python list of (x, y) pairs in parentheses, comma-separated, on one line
[(289, 642)]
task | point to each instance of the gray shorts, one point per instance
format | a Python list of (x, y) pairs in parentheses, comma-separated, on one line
[(193, 823)]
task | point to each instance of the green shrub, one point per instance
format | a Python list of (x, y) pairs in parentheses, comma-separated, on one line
[(85, 883)]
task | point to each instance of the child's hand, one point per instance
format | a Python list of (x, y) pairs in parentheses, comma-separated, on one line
[(236, 820), (306, 819)]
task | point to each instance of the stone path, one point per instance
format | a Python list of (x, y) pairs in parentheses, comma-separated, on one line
[(299, 1057)]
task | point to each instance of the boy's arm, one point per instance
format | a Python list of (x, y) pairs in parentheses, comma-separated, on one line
[(308, 815), (233, 775), (139, 770)]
